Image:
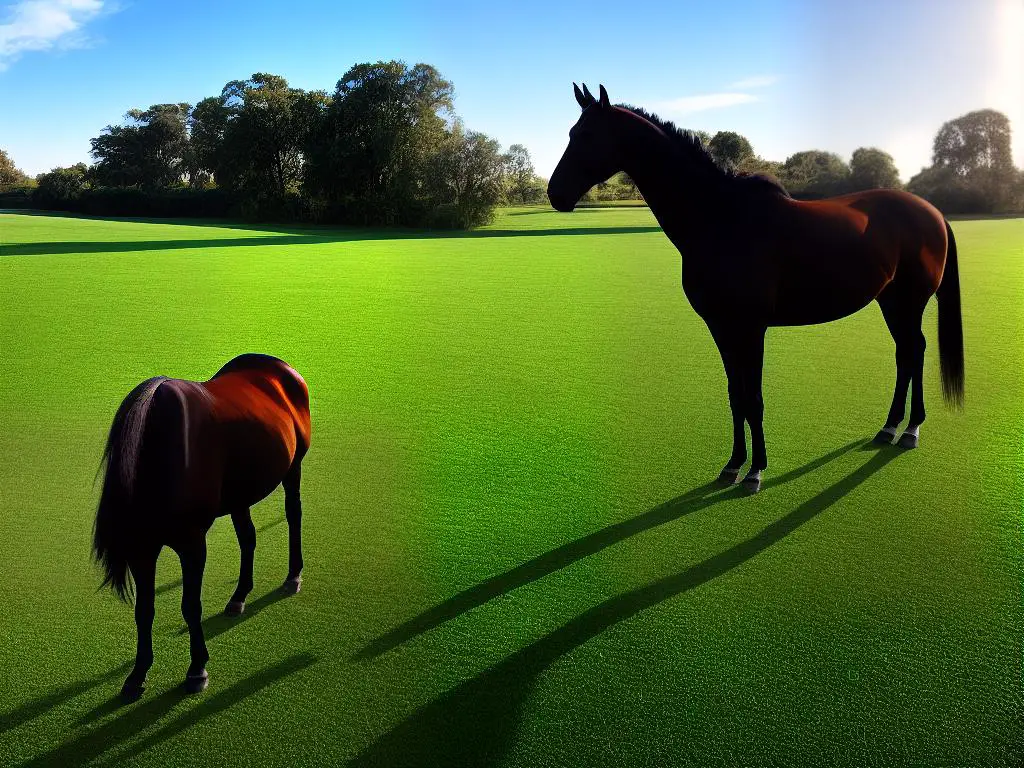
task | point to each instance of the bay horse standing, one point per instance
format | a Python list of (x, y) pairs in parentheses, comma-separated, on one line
[(179, 455), (754, 258)]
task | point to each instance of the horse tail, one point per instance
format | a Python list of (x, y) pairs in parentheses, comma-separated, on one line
[(951, 329), (112, 540)]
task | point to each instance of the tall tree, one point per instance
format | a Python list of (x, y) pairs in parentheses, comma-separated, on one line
[(977, 140), (519, 173), (149, 151), (379, 133), (465, 175), (871, 168), (730, 148), (262, 125), (9, 173)]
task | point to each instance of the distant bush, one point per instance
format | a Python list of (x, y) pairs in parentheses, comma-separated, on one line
[(65, 190), (18, 195)]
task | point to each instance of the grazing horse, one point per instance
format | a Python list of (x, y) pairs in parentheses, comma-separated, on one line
[(753, 257), (179, 455)]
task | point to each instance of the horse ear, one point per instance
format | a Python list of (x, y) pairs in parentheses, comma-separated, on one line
[(580, 98), (604, 98), (588, 95)]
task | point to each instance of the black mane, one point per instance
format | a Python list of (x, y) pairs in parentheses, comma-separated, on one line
[(697, 156)]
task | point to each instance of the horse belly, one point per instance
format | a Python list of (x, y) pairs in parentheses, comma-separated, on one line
[(255, 463), (822, 291)]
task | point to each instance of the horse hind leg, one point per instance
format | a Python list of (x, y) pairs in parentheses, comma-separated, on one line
[(904, 322), (192, 553), (293, 514), (909, 438), (143, 570), (246, 533)]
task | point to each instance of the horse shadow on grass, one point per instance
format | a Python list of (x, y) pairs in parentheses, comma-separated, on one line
[(132, 246), (32, 709), (693, 501), (476, 722), (95, 743), (219, 623)]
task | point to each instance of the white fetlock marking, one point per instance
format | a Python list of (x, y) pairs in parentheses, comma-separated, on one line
[(914, 430), (890, 431)]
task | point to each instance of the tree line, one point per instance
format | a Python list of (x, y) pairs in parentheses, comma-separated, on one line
[(386, 148)]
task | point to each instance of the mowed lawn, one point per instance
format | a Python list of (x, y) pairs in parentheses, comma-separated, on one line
[(513, 555)]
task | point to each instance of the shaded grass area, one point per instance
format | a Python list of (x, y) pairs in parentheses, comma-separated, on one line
[(513, 553)]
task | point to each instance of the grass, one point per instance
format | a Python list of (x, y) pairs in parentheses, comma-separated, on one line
[(512, 553)]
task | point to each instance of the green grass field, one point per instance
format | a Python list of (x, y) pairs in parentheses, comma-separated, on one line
[(512, 554)]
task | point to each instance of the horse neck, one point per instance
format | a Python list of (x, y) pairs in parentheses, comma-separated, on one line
[(682, 207)]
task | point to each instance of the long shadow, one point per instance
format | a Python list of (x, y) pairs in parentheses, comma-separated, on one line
[(271, 524), (167, 587), (32, 709), (136, 718), (475, 723), (127, 246), (218, 623), (567, 554), (219, 702)]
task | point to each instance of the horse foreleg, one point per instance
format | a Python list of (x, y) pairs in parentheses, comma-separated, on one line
[(731, 472), (293, 514), (246, 533), (143, 571), (752, 367), (193, 562)]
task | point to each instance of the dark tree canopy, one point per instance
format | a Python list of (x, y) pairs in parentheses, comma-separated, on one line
[(150, 150), (378, 134), (871, 168)]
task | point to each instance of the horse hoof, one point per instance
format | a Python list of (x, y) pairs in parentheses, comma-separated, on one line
[(235, 608), (197, 683), (884, 437), (292, 586), (752, 482), (132, 691), (728, 476), (908, 440)]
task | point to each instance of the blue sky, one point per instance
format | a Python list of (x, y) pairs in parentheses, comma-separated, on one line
[(814, 74)]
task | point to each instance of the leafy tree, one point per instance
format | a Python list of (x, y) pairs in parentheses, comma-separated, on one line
[(61, 187), (730, 148), (872, 168), (381, 129), (466, 178), (264, 125), (757, 164), (519, 174), (149, 151), (972, 169), (208, 123), (9, 173), (815, 173), (974, 141)]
